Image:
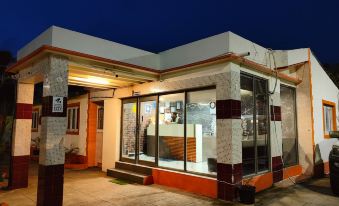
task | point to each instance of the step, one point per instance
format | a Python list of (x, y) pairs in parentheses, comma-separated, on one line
[(141, 169), (130, 176)]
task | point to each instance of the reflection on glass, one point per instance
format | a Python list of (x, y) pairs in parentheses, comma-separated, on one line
[(261, 124), (201, 131), (171, 130), (147, 131), (288, 125), (129, 130), (247, 112)]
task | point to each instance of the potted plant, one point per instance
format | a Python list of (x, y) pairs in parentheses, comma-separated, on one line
[(247, 192)]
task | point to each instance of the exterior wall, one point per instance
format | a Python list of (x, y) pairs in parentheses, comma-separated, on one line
[(304, 121), (79, 140), (36, 134), (99, 145), (111, 133), (323, 89)]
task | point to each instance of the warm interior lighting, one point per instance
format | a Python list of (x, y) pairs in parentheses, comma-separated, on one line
[(93, 80)]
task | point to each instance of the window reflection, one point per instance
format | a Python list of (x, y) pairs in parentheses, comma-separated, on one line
[(171, 130), (201, 131), (254, 121), (288, 125)]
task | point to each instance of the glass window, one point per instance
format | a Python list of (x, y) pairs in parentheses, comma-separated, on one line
[(100, 124), (329, 117), (254, 123), (73, 119), (201, 131), (171, 130), (35, 120), (288, 125)]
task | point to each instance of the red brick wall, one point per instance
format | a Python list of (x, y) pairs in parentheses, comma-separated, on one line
[(176, 147)]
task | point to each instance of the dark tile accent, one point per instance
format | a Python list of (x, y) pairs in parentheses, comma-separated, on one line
[(47, 103), (277, 163), (19, 172), (50, 185), (226, 191), (226, 171), (275, 113), (228, 109), (318, 170), (278, 176), (23, 111)]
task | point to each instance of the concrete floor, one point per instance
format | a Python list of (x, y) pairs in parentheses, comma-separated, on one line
[(92, 187)]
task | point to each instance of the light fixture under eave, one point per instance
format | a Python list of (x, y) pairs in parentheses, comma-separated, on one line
[(92, 80)]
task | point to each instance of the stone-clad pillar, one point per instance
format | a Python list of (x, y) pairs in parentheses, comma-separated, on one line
[(276, 133), (22, 136), (53, 131), (229, 148)]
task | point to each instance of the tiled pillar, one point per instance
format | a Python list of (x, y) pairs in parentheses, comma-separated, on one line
[(276, 133), (22, 136), (53, 131), (229, 149)]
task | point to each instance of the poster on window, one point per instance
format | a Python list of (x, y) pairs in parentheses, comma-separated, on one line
[(58, 105)]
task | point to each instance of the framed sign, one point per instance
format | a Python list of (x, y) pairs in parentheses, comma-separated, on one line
[(58, 105)]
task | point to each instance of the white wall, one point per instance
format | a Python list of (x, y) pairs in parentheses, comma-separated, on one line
[(111, 133), (323, 89), (195, 51), (81, 139)]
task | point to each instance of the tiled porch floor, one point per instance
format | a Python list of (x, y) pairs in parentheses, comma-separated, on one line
[(92, 187)]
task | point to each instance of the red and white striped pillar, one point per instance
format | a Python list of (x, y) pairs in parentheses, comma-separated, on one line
[(53, 131), (21, 140), (229, 146)]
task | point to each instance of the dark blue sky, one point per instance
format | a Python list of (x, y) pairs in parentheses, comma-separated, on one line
[(156, 25)]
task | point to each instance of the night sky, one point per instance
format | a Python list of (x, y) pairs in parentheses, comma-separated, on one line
[(159, 25)]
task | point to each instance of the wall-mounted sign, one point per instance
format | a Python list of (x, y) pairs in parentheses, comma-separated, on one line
[(58, 105)]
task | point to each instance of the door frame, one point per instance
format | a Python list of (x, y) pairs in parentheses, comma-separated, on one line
[(138, 101), (125, 101)]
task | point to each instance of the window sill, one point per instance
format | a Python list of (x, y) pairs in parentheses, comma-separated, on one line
[(34, 130), (72, 132)]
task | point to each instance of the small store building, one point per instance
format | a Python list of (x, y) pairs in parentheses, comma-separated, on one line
[(204, 117)]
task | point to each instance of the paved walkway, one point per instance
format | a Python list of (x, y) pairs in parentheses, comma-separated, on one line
[(92, 187)]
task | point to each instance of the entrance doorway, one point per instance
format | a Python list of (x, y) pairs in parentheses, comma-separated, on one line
[(139, 130)]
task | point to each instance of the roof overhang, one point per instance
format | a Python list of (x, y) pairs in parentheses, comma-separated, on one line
[(124, 74)]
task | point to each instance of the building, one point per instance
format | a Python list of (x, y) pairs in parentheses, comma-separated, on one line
[(204, 117)]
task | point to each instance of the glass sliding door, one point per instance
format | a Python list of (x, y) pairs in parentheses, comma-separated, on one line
[(247, 119), (129, 130), (147, 140), (254, 123), (289, 125), (201, 146), (261, 102), (171, 131)]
